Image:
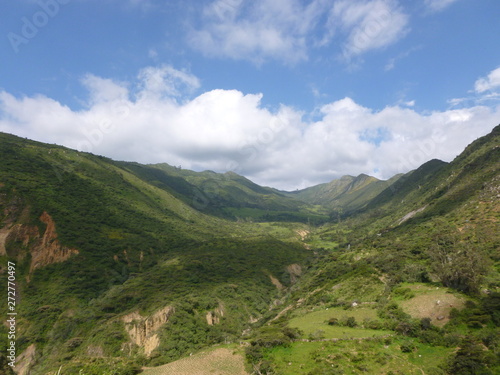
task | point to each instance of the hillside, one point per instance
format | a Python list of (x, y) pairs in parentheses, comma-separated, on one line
[(345, 195), (410, 285), (98, 249), (121, 266), (227, 195)]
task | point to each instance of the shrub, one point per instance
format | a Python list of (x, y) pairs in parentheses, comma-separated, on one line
[(333, 321), (404, 293), (407, 346), (351, 322)]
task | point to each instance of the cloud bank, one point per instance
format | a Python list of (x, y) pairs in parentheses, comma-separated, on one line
[(158, 118)]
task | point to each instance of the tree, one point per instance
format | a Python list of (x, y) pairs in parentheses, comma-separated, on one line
[(458, 264), (470, 359)]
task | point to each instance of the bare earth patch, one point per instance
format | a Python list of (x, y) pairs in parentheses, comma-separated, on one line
[(433, 303), (220, 361)]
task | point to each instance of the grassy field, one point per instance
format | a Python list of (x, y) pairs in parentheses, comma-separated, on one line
[(431, 302), (356, 357), (219, 361), (315, 323)]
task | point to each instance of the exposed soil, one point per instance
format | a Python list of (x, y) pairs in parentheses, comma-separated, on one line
[(220, 361), (435, 305)]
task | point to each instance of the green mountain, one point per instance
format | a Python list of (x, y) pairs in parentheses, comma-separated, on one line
[(227, 195), (346, 194), (98, 249), (119, 265)]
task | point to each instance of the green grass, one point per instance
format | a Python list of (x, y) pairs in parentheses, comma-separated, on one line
[(355, 357), (322, 315), (313, 322)]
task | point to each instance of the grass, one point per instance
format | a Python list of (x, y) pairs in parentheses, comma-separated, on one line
[(431, 302), (313, 323), (359, 313), (355, 357), (217, 361)]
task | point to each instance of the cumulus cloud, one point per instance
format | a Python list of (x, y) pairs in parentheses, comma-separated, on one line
[(226, 130), (491, 82)]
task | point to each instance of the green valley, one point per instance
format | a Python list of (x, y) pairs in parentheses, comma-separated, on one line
[(125, 268)]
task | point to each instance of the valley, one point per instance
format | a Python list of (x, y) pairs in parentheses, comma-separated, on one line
[(125, 268)]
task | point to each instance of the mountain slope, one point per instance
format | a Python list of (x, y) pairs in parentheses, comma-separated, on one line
[(411, 284), (226, 195), (111, 268), (347, 194)]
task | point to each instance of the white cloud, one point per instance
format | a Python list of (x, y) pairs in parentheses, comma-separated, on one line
[(491, 82), (103, 90), (287, 30), (256, 30), (438, 5), (166, 81), (368, 25), (226, 130)]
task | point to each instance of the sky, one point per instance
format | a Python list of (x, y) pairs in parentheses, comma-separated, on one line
[(288, 93)]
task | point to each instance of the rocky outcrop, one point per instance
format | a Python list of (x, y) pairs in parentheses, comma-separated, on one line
[(25, 360), (49, 250), (409, 215), (276, 282), (295, 271), (143, 331), (213, 317), (44, 248)]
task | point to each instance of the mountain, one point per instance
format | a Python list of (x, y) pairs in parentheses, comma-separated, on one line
[(104, 258), (120, 265), (346, 194), (227, 195)]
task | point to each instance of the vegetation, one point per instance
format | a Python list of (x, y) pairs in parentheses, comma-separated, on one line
[(149, 265)]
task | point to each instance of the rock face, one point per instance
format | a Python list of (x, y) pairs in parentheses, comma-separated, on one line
[(25, 361), (45, 248), (143, 331), (213, 317), (295, 271), (49, 250)]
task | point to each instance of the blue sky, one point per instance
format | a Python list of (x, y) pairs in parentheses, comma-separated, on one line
[(289, 93)]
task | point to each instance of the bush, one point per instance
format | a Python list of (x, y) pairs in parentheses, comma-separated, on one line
[(425, 323), (404, 293), (407, 347), (333, 321), (317, 335)]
